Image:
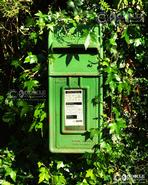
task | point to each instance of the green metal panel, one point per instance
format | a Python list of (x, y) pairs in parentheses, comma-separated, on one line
[(74, 83), (73, 40), (70, 64), (73, 140)]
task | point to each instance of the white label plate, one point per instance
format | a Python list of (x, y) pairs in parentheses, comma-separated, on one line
[(73, 107)]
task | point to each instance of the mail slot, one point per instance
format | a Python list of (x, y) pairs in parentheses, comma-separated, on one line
[(74, 83)]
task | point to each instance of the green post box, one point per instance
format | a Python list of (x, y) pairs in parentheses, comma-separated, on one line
[(74, 84)]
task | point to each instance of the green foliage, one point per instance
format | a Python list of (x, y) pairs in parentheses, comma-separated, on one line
[(7, 172), (12, 8), (39, 117), (122, 133)]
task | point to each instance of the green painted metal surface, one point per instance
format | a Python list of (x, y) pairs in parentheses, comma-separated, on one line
[(73, 40), (74, 86), (73, 64)]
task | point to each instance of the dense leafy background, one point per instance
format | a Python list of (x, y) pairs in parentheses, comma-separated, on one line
[(24, 28)]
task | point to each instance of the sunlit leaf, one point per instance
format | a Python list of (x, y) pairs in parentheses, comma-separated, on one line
[(31, 84), (31, 58), (87, 41), (50, 39)]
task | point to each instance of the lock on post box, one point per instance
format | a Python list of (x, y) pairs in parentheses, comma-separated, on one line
[(74, 84)]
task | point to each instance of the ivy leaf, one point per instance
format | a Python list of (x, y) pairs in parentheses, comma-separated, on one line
[(1, 99), (130, 72), (113, 42), (37, 112), (31, 84), (116, 111), (31, 58), (44, 174), (60, 164), (43, 116), (137, 42), (117, 77), (50, 26), (113, 50), (93, 133), (58, 179), (10, 172), (34, 36), (42, 177), (39, 125), (41, 22), (13, 175), (112, 127), (89, 173), (40, 164), (50, 39), (87, 41), (120, 125), (116, 127), (105, 147), (72, 30), (5, 182), (120, 87), (110, 76), (125, 35), (112, 86), (15, 63)]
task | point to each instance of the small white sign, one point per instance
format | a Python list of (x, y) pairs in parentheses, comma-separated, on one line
[(73, 107)]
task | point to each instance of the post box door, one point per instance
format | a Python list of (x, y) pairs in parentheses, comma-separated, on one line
[(73, 113)]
